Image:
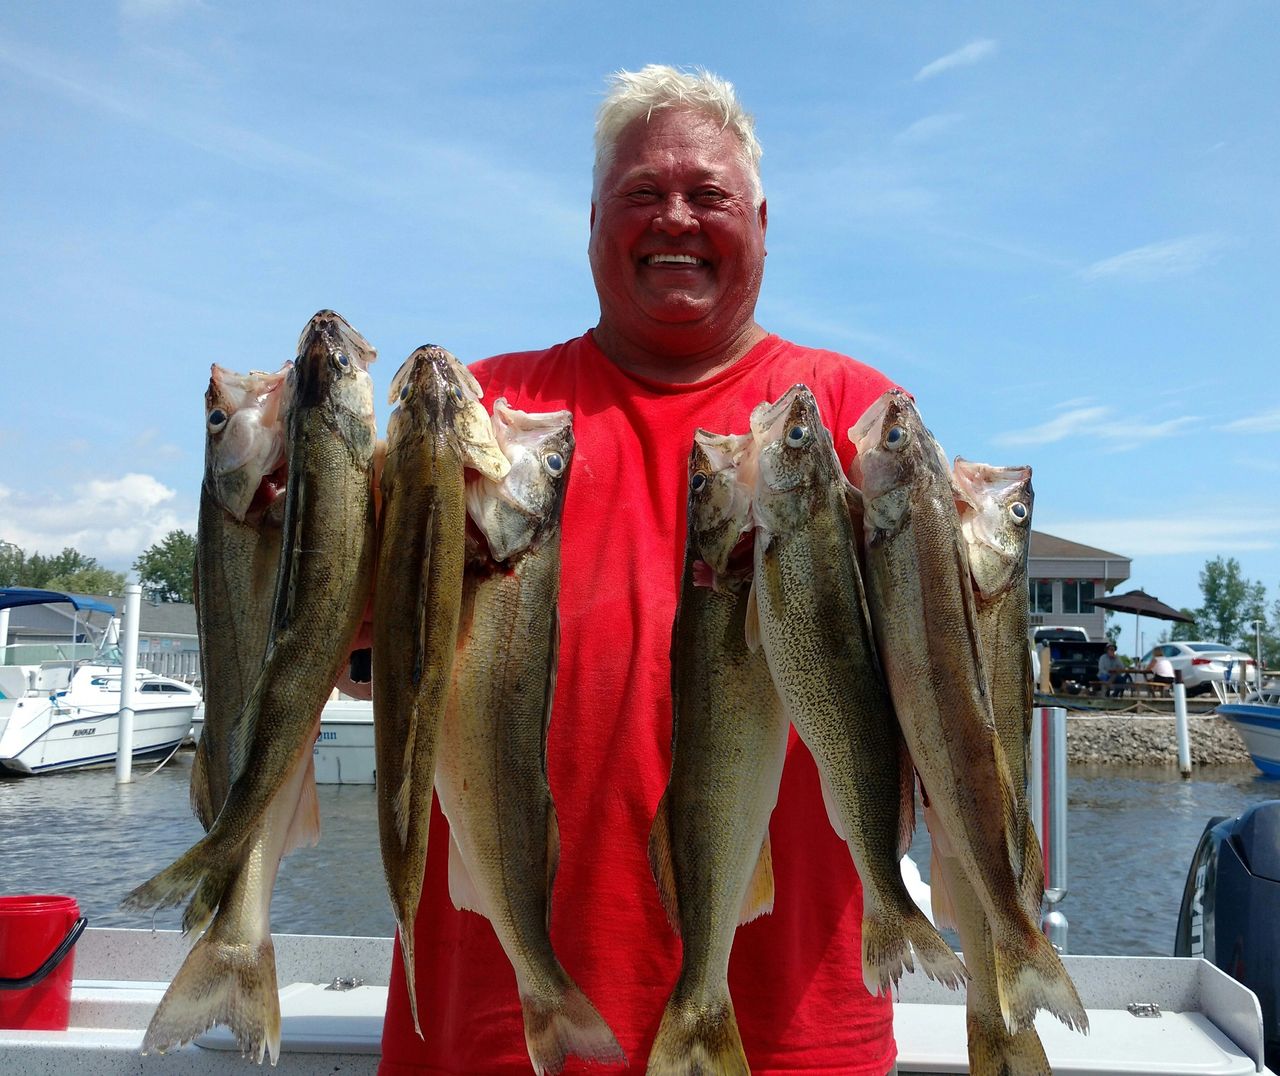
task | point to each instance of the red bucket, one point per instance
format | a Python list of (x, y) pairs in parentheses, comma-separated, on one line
[(37, 942)]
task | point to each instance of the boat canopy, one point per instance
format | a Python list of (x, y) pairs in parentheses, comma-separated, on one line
[(12, 597)]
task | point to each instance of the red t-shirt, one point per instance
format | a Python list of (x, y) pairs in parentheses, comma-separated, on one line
[(795, 975)]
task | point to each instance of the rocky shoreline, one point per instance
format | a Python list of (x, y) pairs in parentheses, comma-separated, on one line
[(1151, 740)]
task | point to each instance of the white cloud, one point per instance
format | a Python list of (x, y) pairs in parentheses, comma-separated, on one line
[(112, 519), (1209, 532), (1266, 422), (1099, 425), (1173, 257), (1068, 424), (927, 127), (965, 56)]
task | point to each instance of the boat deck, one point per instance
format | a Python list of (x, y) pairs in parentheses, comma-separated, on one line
[(1207, 1022)]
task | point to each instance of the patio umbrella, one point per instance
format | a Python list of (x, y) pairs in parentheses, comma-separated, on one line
[(1140, 604)]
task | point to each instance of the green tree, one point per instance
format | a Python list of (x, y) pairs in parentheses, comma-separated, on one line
[(1230, 601), (1180, 630), (95, 580), (12, 562), (19, 570), (167, 569)]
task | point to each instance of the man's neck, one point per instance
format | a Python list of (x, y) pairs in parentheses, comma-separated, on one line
[(676, 365)]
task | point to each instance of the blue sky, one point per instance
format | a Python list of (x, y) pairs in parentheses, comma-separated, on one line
[(1056, 224)]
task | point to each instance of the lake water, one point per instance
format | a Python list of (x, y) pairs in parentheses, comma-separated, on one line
[(1131, 836)]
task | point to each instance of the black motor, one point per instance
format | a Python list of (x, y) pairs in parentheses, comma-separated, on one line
[(1231, 908)]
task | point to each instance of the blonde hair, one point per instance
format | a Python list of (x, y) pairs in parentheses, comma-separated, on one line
[(633, 94)]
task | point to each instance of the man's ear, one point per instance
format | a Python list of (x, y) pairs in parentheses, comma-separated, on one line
[(763, 216), (592, 222)]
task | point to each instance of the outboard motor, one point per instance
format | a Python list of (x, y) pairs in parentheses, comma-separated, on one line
[(1231, 908)]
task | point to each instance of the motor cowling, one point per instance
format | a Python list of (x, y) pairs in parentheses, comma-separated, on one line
[(1230, 912)]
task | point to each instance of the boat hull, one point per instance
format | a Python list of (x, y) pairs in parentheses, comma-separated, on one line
[(1259, 727)]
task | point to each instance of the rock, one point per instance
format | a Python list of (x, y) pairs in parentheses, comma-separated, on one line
[(1144, 740)]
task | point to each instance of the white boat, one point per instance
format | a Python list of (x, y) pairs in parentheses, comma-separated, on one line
[(343, 751), (64, 714), (1150, 1015), (1257, 719)]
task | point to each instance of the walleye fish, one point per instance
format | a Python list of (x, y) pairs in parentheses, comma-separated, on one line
[(237, 552), (491, 770), (995, 517), (709, 848), (438, 428), (814, 625), (995, 513), (228, 977), (925, 621), (322, 585)]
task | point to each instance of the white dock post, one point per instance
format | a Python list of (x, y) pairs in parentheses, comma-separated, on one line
[(1180, 723), (1048, 795), (128, 667), (4, 635)]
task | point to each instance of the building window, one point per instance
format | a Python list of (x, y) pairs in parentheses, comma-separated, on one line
[(1042, 595), (1077, 595)]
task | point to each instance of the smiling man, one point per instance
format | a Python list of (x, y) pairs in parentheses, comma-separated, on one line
[(677, 250)]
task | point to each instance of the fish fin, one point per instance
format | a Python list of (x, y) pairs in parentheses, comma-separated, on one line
[(704, 575), (698, 1038), (1033, 873), (245, 727), (833, 807), (568, 1026), (1030, 977), (751, 620), (993, 1050), (553, 856), (402, 805), (220, 983), (907, 797), (942, 901), (462, 887), (661, 863), (304, 826), (759, 897), (201, 796)]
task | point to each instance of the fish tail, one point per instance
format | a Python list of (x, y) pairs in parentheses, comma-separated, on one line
[(1030, 977), (698, 1040), (175, 883), (993, 1051), (937, 959), (406, 951), (567, 1025), (221, 983)]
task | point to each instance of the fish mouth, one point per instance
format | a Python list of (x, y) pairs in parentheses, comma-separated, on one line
[(771, 423), (998, 481), (328, 331)]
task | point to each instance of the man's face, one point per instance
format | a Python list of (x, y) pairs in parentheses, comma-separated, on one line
[(677, 246)]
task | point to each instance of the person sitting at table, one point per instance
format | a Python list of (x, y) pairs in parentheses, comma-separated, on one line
[(1159, 669), (1112, 673)]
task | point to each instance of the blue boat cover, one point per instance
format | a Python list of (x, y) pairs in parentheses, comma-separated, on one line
[(11, 597)]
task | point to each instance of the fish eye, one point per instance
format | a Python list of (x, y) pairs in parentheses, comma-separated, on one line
[(404, 392), (217, 419), (342, 360), (895, 436), (456, 392), (798, 436), (554, 463), (1018, 510), (698, 482)]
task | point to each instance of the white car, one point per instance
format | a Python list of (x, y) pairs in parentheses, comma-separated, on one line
[(1202, 662)]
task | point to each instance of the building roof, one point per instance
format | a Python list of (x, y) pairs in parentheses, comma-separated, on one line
[(1047, 546)]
